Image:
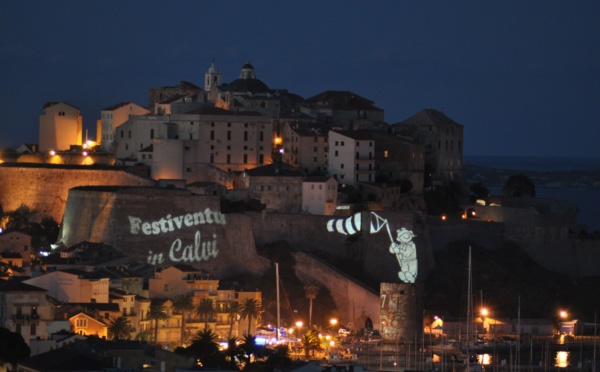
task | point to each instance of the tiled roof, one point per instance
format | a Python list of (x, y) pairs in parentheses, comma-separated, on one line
[(317, 179), (114, 107), (211, 110), (359, 135), (342, 100), (63, 359), (50, 104), (16, 286), (430, 117), (275, 170)]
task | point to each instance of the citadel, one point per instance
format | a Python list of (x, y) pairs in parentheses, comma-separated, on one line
[(204, 176)]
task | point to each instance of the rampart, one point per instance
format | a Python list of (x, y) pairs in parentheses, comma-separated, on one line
[(163, 227), (44, 188)]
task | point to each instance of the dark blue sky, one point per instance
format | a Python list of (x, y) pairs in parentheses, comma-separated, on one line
[(523, 77)]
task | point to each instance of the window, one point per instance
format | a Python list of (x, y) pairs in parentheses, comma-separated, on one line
[(357, 144), (32, 330), (189, 170), (261, 159), (228, 147), (316, 139), (228, 135), (122, 133), (370, 144), (166, 287), (212, 135), (151, 133), (245, 136), (336, 143), (187, 148), (129, 134), (342, 165), (245, 125), (315, 149), (81, 323), (212, 147), (245, 158), (342, 143), (315, 159), (312, 187), (228, 158), (212, 125), (245, 147), (385, 154), (228, 125), (212, 158), (336, 153), (261, 135)]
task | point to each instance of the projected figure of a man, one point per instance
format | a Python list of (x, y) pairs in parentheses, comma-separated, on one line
[(406, 253)]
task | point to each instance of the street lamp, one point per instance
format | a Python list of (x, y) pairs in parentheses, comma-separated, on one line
[(484, 313)]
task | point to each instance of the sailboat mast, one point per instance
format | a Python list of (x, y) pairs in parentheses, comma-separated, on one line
[(278, 307), (469, 306)]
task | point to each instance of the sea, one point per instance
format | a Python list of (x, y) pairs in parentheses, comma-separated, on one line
[(587, 198)]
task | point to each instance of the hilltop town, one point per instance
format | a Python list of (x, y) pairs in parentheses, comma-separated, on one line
[(185, 211)]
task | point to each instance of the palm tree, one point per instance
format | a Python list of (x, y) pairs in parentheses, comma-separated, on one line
[(119, 328), (183, 303), (157, 312), (205, 310), (312, 291), (233, 353), (233, 310), (310, 341), (251, 308), (205, 347)]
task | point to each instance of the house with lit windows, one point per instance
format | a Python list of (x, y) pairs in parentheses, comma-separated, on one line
[(351, 158)]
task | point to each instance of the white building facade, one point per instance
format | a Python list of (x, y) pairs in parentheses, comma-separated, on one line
[(113, 116), (351, 157), (319, 195)]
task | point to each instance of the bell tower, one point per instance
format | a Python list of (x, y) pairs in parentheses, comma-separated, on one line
[(212, 78)]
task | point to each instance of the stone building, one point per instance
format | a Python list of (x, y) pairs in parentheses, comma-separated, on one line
[(61, 126), (73, 286), (305, 147), (276, 185), (319, 195), (25, 309), (342, 108), (399, 159), (443, 141)]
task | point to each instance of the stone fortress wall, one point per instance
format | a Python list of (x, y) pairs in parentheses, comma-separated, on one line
[(44, 188)]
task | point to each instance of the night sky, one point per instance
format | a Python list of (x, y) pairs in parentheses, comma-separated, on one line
[(523, 77)]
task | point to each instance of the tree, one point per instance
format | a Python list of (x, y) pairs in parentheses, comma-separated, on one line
[(312, 291), (251, 309), (310, 342), (280, 357), (206, 310), (119, 328), (205, 348), (479, 191), (233, 353), (519, 185), (157, 312), (12, 347), (233, 311), (183, 303)]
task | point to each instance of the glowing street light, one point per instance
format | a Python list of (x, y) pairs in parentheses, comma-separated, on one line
[(563, 314)]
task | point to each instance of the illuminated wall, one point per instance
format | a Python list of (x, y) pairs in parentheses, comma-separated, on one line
[(60, 126), (162, 227), (401, 246)]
